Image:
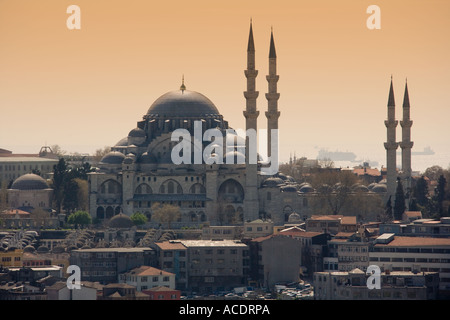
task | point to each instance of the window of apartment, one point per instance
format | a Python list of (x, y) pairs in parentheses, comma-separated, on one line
[(166, 279), (168, 254), (220, 261), (233, 251), (208, 251), (220, 251), (209, 261), (182, 254), (144, 279), (155, 279)]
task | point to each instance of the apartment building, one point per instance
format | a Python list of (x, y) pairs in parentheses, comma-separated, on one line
[(398, 285), (105, 264), (416, 254)]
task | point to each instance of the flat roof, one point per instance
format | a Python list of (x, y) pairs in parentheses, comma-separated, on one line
[(212, 243), (114, 249)]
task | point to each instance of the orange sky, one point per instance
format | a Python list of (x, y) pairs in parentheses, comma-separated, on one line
[(85, 89)]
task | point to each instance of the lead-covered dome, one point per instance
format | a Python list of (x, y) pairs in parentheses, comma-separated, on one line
[(29, 181), (182, 103), (113, 157)]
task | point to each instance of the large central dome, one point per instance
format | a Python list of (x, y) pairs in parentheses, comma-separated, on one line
[(182, 103)]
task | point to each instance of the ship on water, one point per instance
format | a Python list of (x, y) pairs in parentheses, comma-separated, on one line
[(427, 151), (336, 155)]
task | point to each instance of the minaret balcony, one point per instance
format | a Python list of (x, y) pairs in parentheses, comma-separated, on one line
[(252, 73), (391, 123), (391, 145), (406, 144), (406, 123)]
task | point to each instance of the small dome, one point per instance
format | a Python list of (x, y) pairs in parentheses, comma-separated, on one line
[(29, 249), (282, 176), (137, 132), (294, 218), (30, 181), (121, 221), (289, 189), (306, 188), (129, 159), (359, 187), (272, 182), (147, 158), (379, 188), (113, 157), (43, 249)]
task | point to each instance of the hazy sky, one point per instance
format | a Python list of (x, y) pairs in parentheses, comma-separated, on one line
[(85, 89)]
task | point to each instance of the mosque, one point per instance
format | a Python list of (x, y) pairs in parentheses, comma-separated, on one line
[(139, 170)]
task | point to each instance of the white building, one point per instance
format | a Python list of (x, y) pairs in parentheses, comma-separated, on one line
[(145, 277)]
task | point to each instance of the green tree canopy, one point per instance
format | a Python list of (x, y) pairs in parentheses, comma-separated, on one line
[(81, 218), (399, 205), (138, 218)]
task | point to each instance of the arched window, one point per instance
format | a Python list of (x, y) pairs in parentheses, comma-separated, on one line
[(100, 213), (171, 187), (231, 191), (197, 189), (143, 189)]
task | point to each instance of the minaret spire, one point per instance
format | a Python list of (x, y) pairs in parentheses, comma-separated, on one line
[(251, 202), (406, 144), (391, 145), (272, 96)]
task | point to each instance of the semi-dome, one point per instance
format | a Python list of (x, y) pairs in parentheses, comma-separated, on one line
[(113, 157), (29, 181), (122, 143), (182, 103)]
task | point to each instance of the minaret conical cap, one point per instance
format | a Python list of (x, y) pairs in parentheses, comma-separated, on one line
[(251, 44), (391, 100), (272, 52), (406, 97)]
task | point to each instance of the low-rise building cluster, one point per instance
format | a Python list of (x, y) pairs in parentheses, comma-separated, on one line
[(324, 257)]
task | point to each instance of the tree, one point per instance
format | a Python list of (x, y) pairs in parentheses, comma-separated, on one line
[(420, 192), (434, 172), (165, 213), (3, 197), (99, 153), (59, 176), (138, 218), (440, 194), (56, 149), (81, 218), (388, 211), (334, 188), (399, 205)]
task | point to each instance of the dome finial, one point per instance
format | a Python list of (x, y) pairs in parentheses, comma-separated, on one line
[(183, 87)]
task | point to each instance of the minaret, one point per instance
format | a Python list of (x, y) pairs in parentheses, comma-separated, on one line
[(391, 146), (272, 96), (250, 113), (406, 144), (251, 202)]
